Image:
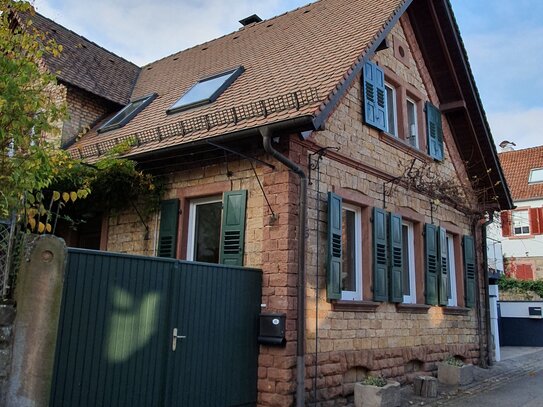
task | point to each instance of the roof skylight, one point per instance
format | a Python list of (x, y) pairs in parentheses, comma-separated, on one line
[(206, 90), (127, 113), (536, 175)]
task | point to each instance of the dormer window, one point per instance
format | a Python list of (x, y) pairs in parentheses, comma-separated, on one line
[(536, 175), (206, 90), (127, 113)]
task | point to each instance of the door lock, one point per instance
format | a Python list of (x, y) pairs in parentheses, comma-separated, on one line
[(175, 338)]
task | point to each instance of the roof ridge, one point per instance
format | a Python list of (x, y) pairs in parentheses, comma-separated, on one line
[(521, 150), (86, 39), (231, 33)]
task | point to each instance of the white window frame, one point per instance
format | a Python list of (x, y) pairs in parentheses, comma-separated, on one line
[(416, 123), (451, 260), (355, 295), (536, 173), (524, 222), (412, 297), (395, 109), (192, 221)]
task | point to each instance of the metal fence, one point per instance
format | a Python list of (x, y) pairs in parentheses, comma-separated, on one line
[(10, 252)]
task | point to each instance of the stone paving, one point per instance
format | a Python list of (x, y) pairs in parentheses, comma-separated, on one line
[(515, 366)]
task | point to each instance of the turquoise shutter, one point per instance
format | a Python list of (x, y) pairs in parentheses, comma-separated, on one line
[(375, 107), (435, 132), (167, 235), (333, 270), (396, 258), (432, 265), (469, 270), (380, 274), (234, 204), (444, 268)]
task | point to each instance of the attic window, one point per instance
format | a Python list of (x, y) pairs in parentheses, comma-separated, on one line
[(127, 113), (536, 175), (206, 90)]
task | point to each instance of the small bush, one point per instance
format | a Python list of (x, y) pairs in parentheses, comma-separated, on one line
[(378, 381), (451, 360)]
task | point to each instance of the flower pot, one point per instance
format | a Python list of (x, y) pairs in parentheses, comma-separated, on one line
[(454, 375), (366, 395)]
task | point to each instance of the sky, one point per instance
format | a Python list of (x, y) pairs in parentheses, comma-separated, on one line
[(503, 38)]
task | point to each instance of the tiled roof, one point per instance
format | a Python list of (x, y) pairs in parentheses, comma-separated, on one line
[(293, 65), (516, 166), (86, 65)]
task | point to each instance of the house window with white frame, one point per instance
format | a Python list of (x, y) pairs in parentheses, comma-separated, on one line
[(412, 135), (351, 276), (452, 300), (204, 231), (408, 253), (521, 222), (392, 119)]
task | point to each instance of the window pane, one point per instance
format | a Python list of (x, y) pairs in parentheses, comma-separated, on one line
[(391, 110), (405, 253), (349, 251), (207, 232), (412, 123), (536, 175), (521, 223)]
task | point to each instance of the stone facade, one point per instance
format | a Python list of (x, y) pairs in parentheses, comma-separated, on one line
[(344, 342)]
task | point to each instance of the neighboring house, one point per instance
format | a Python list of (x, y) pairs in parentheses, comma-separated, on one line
[(522, 228), (332, 148), (94, 83)]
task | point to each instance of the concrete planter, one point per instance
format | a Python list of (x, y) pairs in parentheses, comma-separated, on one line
[(454, 375), (366, 395)]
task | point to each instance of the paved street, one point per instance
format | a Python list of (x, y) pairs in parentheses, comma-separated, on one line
[(516, 381)]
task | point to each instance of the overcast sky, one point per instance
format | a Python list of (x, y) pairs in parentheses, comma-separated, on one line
[(504, 40)]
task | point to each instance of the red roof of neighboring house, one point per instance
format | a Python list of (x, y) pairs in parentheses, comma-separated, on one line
[(86, 65), (517, 165)]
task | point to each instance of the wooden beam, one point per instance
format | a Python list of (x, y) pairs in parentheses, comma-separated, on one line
[(452, 106)]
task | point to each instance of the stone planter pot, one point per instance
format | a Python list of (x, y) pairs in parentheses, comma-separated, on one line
[(366, 395), (454, 375)]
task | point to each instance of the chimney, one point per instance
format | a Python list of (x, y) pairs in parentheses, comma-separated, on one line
[(507, 146), (250, 20)]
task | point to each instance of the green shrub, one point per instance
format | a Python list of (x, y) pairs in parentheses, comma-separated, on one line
[(522, 286), (453, 361), (378, 381)]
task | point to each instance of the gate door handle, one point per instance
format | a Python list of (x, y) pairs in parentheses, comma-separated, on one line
[(175, 338)]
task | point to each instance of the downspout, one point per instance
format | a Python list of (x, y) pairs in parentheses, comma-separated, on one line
[(485, 276), (483, 353), (267, 135)]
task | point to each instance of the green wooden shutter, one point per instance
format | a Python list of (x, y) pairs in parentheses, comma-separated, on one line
[(234, 204), (375, 103), (469, 270), (396, 258), (380, 272), (333, 270), (167, 235), (432, 264), (444, 268), (434, 131)]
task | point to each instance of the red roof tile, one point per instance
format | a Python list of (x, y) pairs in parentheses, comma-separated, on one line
[(517, 165)]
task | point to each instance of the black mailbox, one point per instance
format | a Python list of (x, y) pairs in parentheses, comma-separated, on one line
[(534, 312), (272, 329)]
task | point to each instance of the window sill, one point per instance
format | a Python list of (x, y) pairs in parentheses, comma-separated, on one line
[(413, 308), (355, 306), (456, 310), (403, 146)]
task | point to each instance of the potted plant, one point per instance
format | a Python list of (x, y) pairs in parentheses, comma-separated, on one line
[(376, 391), (454, 371)]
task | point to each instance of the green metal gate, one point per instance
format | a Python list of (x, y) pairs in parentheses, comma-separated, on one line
[(145, 331)]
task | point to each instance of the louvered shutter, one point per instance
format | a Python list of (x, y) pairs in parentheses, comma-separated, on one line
[(167, 235), (333, 270), (469, 269), (434, 131), (234, 204), (431, 264), (506, 223), (396, 258), (535, 221), (380, 269), (375, 104), (444, 268)]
